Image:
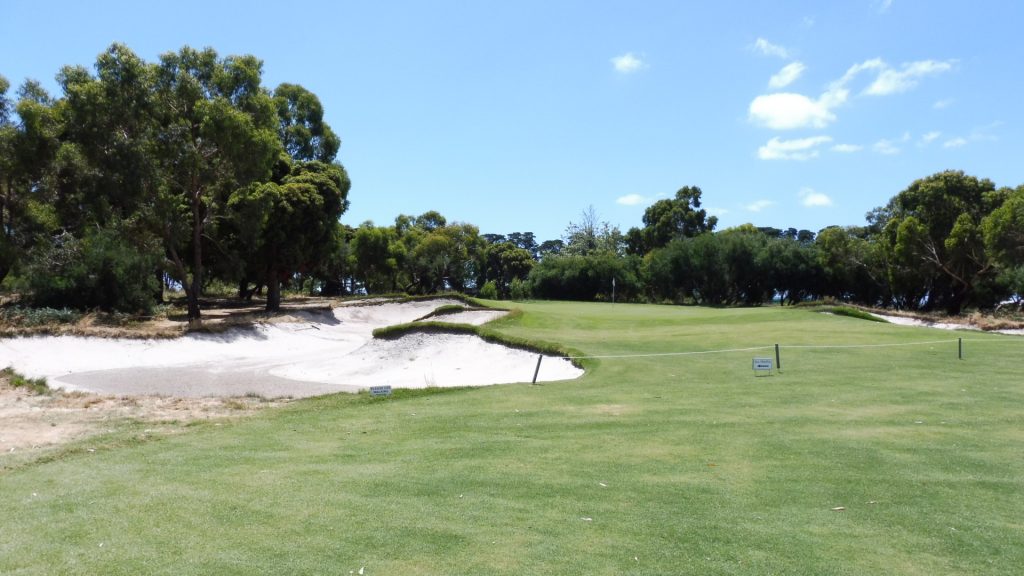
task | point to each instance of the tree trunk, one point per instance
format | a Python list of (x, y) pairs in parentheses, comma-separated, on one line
[(190, 295), (194, 319), (158, 293), (243, 290), (273, 291)]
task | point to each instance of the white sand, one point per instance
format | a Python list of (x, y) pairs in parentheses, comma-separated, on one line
[(474, 317), (327, 353), (904, 321)]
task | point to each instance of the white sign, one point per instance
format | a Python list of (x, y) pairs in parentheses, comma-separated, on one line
[(380, 390), (761, 364)]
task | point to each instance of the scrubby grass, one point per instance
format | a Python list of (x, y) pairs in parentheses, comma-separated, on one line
[(30, 317), (653, 465), (16, 380), (852, 312)]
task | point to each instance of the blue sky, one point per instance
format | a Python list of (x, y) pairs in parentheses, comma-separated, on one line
[(517, 116)]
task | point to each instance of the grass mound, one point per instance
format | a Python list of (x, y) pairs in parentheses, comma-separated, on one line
[(851, 312)]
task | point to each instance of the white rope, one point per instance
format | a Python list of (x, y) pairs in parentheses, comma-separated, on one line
[(810, 346), (781, 347)]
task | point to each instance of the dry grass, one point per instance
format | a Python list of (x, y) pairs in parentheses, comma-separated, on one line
[(38, 422), (218, 315)]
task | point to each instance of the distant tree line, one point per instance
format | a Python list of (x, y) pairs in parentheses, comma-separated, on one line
[(187, 172), (948, 242)]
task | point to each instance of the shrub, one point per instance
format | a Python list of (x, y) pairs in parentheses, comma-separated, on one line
[(586, 277), (101, 270), (23, 316), (489, 291), (519, 290)]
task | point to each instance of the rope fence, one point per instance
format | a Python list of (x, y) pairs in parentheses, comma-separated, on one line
[(795, 347), (779, 347)]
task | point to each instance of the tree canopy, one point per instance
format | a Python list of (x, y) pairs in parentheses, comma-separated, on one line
[(155, 153), (188, 171)]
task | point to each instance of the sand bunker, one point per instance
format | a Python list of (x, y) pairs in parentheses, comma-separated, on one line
[(905, 321), (321, 354)]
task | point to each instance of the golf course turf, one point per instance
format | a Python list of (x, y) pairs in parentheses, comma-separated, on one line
[(885, 454)]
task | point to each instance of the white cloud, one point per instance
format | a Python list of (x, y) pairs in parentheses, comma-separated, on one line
[(890, 81), (768, 49), (631, 200), (758, 206), (799, 149), (814, 199), (847, 148), (885, 146), (787, 111), (930, 137), (807, 22), (628, 63), (853, 71), (716, 211), (943, 104), (884, 5), (789, 74), (954, 143), (984, 133)]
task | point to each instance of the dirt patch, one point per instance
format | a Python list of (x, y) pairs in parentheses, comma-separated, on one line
[(32, 422)]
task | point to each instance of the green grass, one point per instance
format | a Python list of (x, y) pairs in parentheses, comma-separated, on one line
[(654, 465), (851, 312), (16, 380)]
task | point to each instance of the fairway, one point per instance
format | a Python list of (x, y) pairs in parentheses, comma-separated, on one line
[(878, 455)]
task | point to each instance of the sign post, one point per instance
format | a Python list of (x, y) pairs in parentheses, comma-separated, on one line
[(380, 390)]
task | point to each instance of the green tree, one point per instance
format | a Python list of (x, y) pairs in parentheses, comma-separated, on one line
[(301, 125), (591, 236), (1003, 234), (853, 267), (289, 227), (576, 277), (218, 134), (933, 231), (444, 256), (502, 264), (671, 218), (28, 146), (792, 269), (335, 272), (376, 254), (106, 164)]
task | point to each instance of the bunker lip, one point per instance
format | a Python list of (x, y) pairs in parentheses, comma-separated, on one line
[(308, 356)]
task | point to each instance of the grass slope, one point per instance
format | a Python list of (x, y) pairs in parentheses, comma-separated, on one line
[(657, 465)]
